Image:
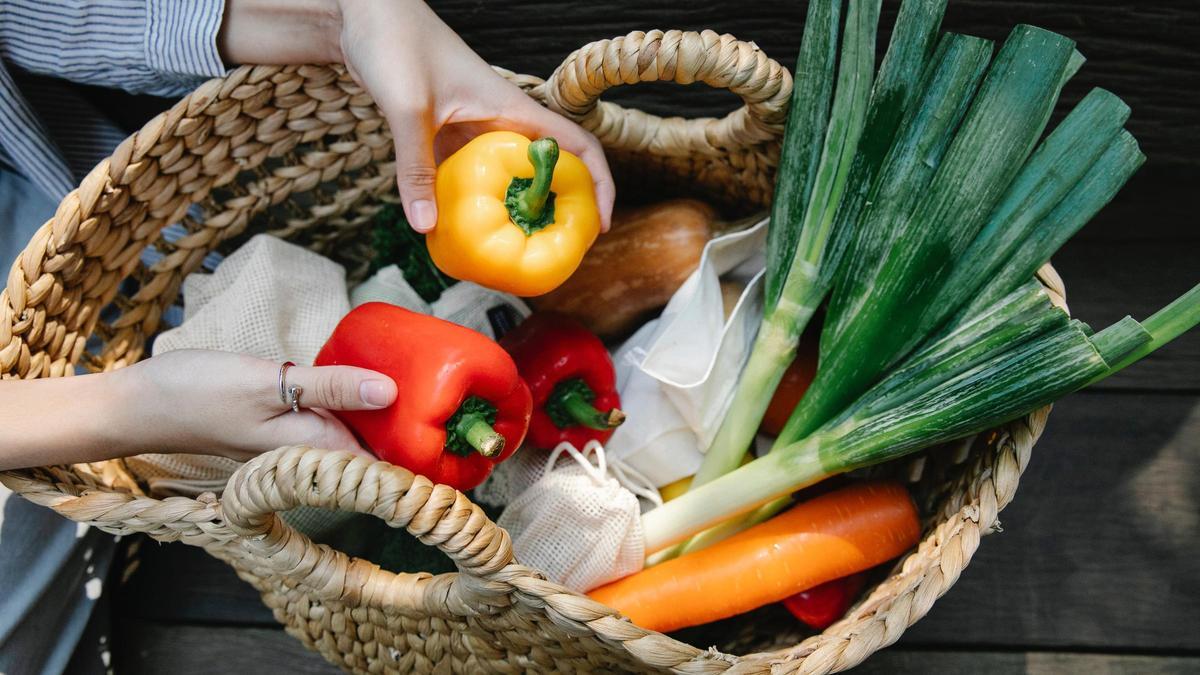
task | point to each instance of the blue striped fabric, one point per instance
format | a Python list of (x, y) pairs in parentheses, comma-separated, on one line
[(26, 143), (143, 46), (51, 136), (161, 47)]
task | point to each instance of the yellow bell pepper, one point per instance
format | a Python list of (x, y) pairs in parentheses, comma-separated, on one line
[(513, 215), (678, 488)]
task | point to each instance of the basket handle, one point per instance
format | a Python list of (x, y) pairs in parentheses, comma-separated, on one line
[(293, 476), (684, 57)]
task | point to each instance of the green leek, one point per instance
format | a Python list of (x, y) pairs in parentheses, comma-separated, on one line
[(1057, 166), (1011, 384), (1097, 187), (876, 324)]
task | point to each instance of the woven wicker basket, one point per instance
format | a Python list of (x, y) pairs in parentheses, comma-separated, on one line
[(302, 152)]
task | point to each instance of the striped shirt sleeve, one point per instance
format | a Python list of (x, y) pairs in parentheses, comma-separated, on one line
[(162, 47)]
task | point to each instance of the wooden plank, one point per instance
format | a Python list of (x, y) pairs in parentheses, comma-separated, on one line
[(181, 583), (900, 661), (1053, 663), (1101, 547), (1107, 280), (1147, 53), (188, 649)]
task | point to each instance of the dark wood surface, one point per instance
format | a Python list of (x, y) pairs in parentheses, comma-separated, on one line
[(1098, 567), (1146, 52)]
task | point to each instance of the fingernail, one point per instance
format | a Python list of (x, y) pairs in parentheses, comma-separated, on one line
[(424, 215), (377, 393)]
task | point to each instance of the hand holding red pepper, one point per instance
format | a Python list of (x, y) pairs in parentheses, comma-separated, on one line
[(571, 377), (462, 407)]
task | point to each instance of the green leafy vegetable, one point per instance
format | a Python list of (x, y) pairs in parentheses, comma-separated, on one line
[(394, 242), (871, 321)]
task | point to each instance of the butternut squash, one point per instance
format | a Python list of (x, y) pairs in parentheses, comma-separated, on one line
[(633, 270)]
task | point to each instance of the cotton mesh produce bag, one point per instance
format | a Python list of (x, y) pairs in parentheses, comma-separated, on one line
[(574, 516), (269, 299)]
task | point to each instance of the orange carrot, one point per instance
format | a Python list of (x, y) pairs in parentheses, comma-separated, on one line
[(828, 537)]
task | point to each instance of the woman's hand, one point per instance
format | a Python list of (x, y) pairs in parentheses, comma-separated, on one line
[(228, 404), (437, 94), (189, 401)]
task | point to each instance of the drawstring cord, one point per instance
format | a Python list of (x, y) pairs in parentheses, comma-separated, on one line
[(626, 476)]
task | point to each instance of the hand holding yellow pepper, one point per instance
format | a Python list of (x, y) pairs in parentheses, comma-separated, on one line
[(513, 215)]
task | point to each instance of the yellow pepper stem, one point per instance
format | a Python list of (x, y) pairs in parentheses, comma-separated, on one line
[(529, 201)]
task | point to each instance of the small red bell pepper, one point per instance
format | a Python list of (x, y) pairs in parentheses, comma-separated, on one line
[(462, 408), (820, 606), (794, 383), (570, 375)]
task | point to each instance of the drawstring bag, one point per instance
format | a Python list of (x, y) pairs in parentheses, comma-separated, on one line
[(579, 522), (677, 374)]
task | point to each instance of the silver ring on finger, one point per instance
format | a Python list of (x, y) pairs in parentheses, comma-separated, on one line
[(289, 396)]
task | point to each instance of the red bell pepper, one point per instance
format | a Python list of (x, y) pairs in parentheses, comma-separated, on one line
[(820, 606), (462, 408), (570, 375)]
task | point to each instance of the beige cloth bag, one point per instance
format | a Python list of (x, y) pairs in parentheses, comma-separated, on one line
[(574, 514), (270, 299), (677, 373)]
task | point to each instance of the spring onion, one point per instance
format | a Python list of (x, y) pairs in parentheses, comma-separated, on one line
[(870, 323), (1010, 384), (790, 306)]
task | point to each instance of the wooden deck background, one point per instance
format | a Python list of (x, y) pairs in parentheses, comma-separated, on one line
[(1098, 566)]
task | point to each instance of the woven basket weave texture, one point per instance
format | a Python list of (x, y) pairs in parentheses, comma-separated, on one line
[(303, 153)]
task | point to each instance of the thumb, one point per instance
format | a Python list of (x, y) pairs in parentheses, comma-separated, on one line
[(416, 171), (341, 388)]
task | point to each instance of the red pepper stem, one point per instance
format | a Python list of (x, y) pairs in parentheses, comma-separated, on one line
[(575, 404), (543, 154), (475, 430)]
